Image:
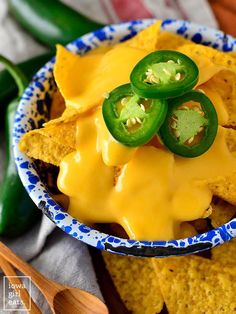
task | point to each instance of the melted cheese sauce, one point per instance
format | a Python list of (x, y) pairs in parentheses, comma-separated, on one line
[(154, 193), (155, 190)]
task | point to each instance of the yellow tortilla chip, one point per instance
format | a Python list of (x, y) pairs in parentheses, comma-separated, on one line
[(225, 187), (64, 69), (232, 54), (217, 57), (231, 141), (223, 84), (50, 144), (88, 79), (64, 133), (99, 50), (222, 212), (74, 73), (136, 283), (209, 60), (43, 148), (225, 253), (146, 39), (69, 115), (194, 284), (170, 41)]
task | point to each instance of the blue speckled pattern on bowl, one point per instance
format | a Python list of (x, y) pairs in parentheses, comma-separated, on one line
[(32, 112)]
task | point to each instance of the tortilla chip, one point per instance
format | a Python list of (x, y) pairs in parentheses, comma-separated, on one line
[(79, 73), (57, 106), (194, 284), (224, 84), (170, 41), (225, 187), (222, 212), (209, 60), (39, 146), (68, 115), (99, 50), (64, 133), (146, 39), (136, 283), (215, 56), (232, 54), (50, 144), (87, 79), (225, 253), (231, 140), (65, 66)]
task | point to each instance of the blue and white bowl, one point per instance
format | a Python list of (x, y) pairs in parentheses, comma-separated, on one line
[(32, 113)]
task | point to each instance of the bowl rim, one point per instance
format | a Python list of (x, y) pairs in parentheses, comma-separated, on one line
[(53, 210)]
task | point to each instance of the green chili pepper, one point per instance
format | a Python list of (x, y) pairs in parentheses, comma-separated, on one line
[(8, 86), (132, 120), (191, 124), (50, 21), (164, 74), (17, 211)]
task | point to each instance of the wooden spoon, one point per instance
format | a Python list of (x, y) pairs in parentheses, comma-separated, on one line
[(62, 299)]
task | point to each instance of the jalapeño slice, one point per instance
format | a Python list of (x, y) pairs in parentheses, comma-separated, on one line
[(191, 124), (132, 120), (164, 74)]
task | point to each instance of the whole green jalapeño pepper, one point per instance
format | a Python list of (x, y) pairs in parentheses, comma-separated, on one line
[(191, 124), (17, 211), (164, 74), (130, 119), (51, 21), (8, 87)]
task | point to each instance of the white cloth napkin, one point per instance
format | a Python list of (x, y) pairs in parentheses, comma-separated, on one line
[(52, 252)]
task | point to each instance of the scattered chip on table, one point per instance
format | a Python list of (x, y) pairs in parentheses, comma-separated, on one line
[(193, 284), (225, 253), (136, 282)]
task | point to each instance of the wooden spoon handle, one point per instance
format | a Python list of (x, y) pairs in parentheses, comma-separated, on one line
[(48, 287), (22, 292)]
